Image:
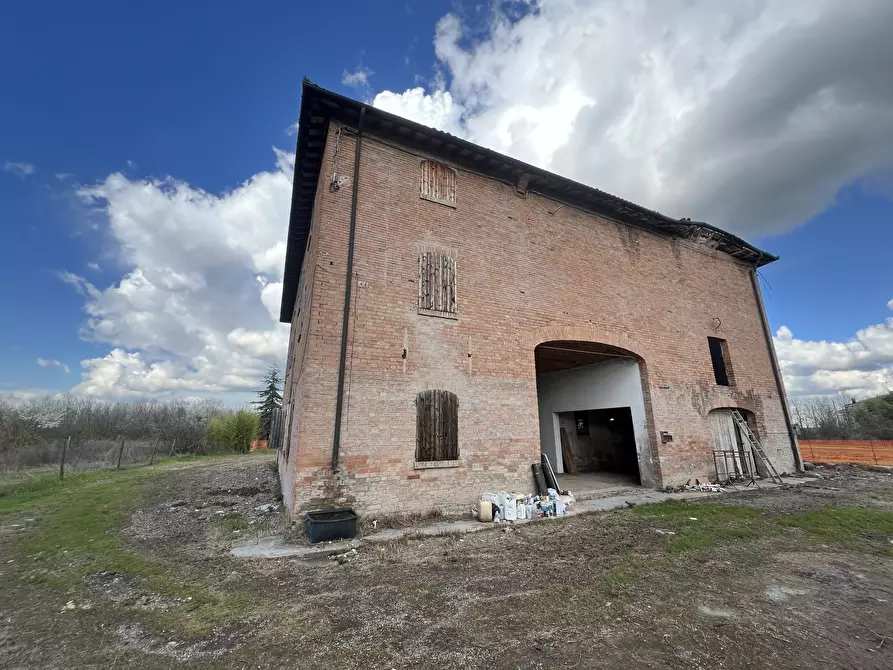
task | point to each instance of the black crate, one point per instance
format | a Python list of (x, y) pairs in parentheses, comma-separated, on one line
[(331, 524)]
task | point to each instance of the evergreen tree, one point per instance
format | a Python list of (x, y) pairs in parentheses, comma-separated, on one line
[(270, 401)]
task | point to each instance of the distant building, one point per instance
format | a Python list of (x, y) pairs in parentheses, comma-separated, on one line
[(495, 312)]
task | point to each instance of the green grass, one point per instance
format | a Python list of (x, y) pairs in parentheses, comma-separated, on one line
[(74, 533), (699, 526), (229, 523), (27, 487), (844, 525)]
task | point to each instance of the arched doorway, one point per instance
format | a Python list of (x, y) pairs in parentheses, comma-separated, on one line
[(593, 414), (733, 455)]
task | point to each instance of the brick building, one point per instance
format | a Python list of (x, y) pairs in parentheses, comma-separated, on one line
[(496, 311)]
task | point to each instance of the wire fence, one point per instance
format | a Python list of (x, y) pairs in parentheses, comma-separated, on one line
[(72, 454)]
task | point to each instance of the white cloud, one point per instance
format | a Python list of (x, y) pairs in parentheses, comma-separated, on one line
[(436, 110), (46, 363), (94, 266), (62, 176), (358, 78), (862, 366), (197, 309), (750, 115), (22, 396), (20, 169)]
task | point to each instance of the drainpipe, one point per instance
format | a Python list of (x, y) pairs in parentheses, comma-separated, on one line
[(345, 320), (776, 371)]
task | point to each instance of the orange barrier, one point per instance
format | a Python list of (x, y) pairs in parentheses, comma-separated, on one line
[(259, 445), (866, 452)]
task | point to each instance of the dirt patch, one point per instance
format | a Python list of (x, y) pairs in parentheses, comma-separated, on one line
[(136, 637), (191, 514), (123, 589), (244, 491), (846, 485)]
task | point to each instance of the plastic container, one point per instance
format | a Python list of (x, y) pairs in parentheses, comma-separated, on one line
[(509, 508), (331, 524)]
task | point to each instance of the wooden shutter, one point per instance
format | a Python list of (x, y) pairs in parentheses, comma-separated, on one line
[(437, 283), (438, 183), (437, 426)]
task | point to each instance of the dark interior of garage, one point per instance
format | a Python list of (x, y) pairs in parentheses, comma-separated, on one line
[(599, 440)]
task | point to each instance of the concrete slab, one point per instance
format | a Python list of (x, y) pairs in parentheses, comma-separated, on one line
[(275, 547)]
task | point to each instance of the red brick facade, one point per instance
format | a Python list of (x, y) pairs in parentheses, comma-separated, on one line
[(528, 271)]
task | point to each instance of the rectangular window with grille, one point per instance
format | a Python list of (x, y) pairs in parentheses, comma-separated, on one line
[(437, 426), (437, 183), (437, 285)]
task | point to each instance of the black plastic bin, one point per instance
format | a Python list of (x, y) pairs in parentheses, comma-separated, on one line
[(331, 524)]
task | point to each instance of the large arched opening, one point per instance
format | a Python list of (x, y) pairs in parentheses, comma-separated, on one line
[(593, 415)]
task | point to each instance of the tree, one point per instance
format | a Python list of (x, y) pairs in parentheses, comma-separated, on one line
[(270, 401), (874, 417)]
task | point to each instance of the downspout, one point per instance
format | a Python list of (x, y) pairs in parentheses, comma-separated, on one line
[(345, 320), (776, 371)]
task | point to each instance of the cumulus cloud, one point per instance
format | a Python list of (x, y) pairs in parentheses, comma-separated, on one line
[(195, 310), (750, 115), (53, 363), (19, 169), (436, 110), (94, 266), (861, 367)]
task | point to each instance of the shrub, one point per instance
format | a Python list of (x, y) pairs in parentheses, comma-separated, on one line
[(235, 430)]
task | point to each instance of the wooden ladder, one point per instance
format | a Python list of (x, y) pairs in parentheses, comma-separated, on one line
[(755, 445)]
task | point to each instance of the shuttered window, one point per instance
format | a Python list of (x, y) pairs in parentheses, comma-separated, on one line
[(438, 183), (437, 427), (437, 285)]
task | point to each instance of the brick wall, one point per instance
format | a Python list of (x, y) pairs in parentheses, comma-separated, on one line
[(529, 271)]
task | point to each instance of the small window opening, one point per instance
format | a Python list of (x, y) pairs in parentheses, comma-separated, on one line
[(437, 426), (719, 355)]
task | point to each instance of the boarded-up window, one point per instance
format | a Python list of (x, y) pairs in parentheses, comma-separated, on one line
[(438, 183), (437, 284), (437, 427)]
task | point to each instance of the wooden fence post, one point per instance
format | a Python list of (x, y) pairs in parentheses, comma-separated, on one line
[(154, 449), (62, 461), (873, 454), (173, 446), (120, 453)]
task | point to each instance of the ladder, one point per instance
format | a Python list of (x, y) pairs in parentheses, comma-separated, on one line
[(748, 435)]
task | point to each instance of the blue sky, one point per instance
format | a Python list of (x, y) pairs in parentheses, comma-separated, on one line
[(103, 102)]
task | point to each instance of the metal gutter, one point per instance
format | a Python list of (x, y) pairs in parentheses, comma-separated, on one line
[(776, 370), (348, 285)]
